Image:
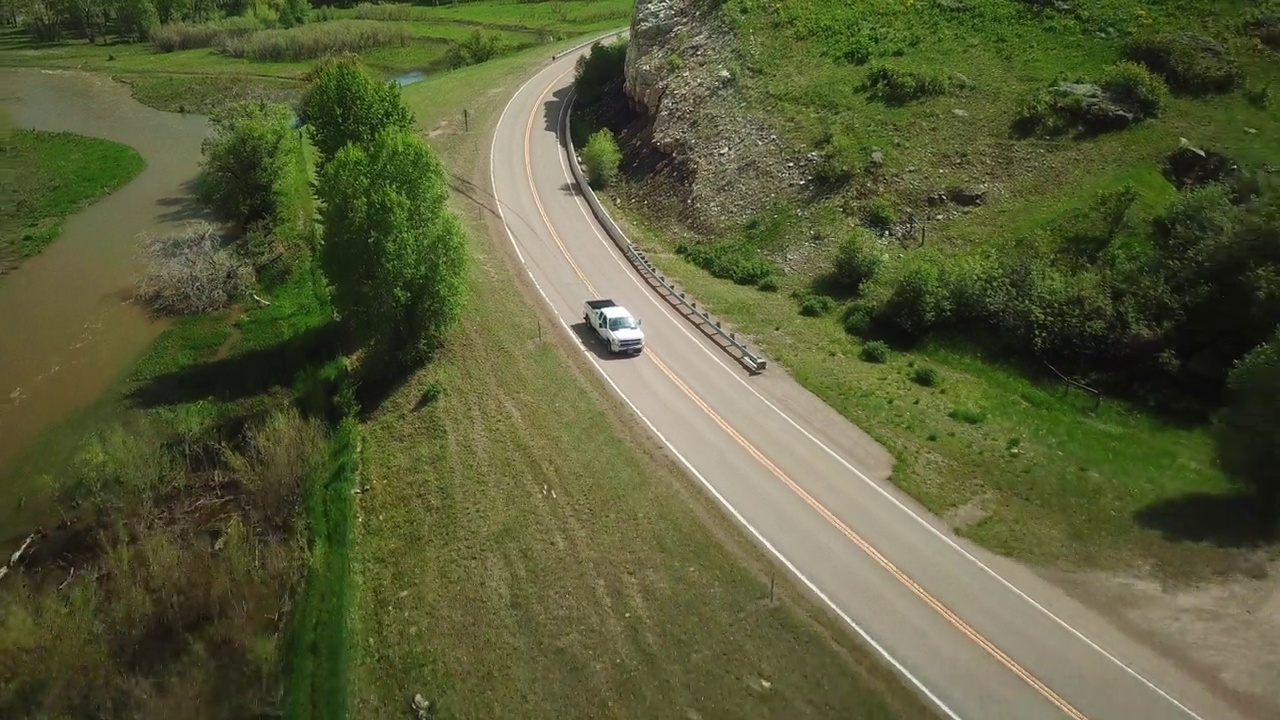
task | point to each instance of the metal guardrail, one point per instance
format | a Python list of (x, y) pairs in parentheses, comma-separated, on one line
[(589, 43), (754, 362)]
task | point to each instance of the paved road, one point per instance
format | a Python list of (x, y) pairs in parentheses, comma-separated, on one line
[(959, 624)]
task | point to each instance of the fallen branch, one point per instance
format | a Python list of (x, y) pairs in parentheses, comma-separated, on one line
[(264, 302), (1097, 395), (17, 555), (68, 580)]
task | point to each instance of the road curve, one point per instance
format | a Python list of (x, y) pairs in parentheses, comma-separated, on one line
[(979, 636)]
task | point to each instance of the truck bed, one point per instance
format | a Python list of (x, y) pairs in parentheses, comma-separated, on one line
[(600, 304)]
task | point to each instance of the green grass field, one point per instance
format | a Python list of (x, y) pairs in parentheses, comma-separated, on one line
[(505, 567), (50, 176), (270, 63), (1029, 469)]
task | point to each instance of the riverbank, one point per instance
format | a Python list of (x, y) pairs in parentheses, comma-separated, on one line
[(61, 174)]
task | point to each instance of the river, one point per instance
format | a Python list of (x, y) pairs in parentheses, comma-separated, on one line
[(67, 326)]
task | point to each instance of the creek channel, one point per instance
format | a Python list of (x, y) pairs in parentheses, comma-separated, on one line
[(68, 328)]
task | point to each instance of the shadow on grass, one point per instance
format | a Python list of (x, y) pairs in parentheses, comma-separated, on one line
[(242, 375), (1231, 521)]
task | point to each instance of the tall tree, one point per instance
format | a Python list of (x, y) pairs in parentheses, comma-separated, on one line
[(347, 105), (1248, 432), (393, 251)]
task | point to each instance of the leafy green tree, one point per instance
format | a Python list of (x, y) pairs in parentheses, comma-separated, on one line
[(245, 162), (602, 158), (393, 251), (347, 105), (135, 19), (858, 259), (598, 70), (1248, 430)]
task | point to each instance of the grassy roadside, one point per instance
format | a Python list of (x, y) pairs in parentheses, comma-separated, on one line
[(50, 176), (507, 566)]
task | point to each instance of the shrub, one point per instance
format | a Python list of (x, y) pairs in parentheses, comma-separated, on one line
[(1190, 63), (191, 272), (925, 376), (900, 86), (858, 318), (602, 158), (246, 163), (1259, 97), (738, 262), (370, 11), (919, 301), (883, 212), (874, 351), (476, 48), (858, 259), (1134, 87), (768, 284), (1247, 428), (968, 416), (814, 305)]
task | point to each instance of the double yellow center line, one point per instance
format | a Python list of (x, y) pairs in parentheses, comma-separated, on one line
[(777, 472)]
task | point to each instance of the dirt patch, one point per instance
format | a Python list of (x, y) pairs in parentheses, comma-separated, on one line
[(1223, 633)]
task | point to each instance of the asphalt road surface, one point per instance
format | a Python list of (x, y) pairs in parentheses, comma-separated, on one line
[(980, 636)]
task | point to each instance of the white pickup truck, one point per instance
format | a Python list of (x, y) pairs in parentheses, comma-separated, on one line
[(620, 332)]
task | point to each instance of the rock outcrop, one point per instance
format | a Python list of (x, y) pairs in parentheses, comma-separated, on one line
[(679, 76)]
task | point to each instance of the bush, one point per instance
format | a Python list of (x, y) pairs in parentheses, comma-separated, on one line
[(191, 272), (969, 416), (874, 352), (371, 11), (813, 304), (247, 160), (1190, 63), (768, 284), (602, 157), (1259, 97), (920, 300), (476, 48), (738, 262), (599, 70), (883, 212), (858, 259), (900, 86), (1248, 427), (1134, 87), (858, 318), (314, 41), (925, 376)]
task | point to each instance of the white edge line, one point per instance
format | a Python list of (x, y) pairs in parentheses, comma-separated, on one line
[(688, 465), (614, 253)]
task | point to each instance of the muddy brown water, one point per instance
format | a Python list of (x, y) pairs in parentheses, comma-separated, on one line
[(67, 326)]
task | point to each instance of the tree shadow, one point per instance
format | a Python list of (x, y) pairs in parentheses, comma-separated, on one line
[(184, 207), (553, 110), (1231, 521), (242, 375)]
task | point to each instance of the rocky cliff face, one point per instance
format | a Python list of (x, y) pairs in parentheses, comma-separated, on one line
[(680, 74)]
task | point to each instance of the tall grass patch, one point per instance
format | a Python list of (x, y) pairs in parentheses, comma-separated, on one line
[(309, 42)]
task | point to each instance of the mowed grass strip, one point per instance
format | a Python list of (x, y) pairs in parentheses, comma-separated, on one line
[(521, 552), (48, 177)]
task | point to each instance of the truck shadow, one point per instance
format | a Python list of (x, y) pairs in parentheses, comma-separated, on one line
[(591, 341)]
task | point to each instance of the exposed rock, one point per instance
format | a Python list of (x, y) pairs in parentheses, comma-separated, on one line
[(1092, 104), (877, 156), (1191, 167), (1267, 29), (958, 112), (967, 196), (937, 198)]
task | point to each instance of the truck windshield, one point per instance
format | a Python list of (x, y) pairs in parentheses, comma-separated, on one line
[(622, 323)]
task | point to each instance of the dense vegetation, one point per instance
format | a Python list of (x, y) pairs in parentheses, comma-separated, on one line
[(202, 566)]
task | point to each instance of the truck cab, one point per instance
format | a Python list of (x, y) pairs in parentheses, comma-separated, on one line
[(619, 330)]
